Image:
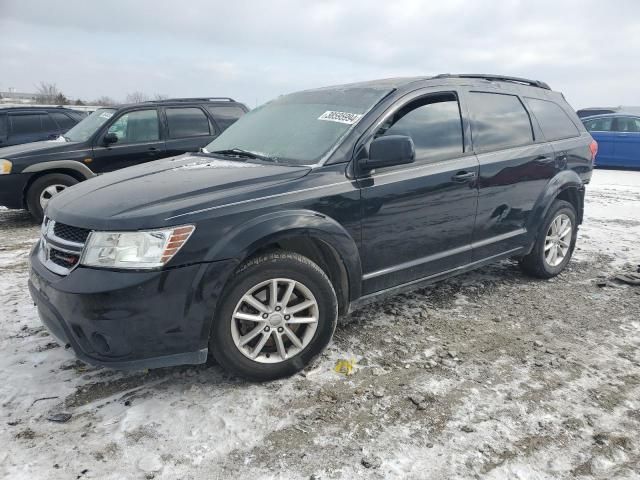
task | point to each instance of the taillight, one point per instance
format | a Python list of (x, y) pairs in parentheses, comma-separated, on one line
[(593, 148)]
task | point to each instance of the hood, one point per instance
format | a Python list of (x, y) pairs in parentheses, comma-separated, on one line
[(145, 196), (36, 148)]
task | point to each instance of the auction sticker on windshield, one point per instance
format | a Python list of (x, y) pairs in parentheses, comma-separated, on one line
[(340, 117)]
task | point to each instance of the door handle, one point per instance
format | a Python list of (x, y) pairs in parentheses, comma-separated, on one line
[(462, 177), (152, 150), (544, 159)]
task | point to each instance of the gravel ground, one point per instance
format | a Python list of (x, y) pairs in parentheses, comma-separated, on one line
[(488, 375)]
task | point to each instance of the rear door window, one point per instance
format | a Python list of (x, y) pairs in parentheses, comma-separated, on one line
[(23, 124), (626, 124), (225, 115), (187, 122), (604, 124), (137, 127), (64, 122), (499, 121), (554, 122)]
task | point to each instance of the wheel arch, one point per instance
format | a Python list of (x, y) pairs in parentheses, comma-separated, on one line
[(314, 235), (72, 168), (567, 186)]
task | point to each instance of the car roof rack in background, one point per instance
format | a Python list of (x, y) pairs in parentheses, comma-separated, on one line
[(498, 78), (195, 99)]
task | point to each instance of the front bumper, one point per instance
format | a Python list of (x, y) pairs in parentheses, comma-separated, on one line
[(131, 320), (12, 187)]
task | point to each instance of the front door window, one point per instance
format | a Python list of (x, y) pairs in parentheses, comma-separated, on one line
[(137, 127)]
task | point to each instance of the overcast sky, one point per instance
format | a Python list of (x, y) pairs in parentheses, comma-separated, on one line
[(254, 51)]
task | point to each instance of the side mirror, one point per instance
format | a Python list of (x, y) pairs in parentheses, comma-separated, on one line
[(110, 138), (388, 151)]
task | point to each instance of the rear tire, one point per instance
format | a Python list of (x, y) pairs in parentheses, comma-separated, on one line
[(555, 242), (261, 335), (43, 189)]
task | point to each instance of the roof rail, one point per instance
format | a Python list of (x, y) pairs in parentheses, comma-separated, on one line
[(194, 99), (498, 78)]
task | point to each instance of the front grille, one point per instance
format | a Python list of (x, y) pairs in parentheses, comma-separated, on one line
[(63, 259), (71, 234), (61, 246)]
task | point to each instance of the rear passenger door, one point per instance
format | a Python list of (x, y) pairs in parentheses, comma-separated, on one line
[(601, 129), (514, 169), (188, 129), (140, 140), (627, 143)]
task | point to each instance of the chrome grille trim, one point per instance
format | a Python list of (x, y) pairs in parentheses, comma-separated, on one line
[(49, 240)]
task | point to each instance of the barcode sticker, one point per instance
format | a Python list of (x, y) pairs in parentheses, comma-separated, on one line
[(340, 117)]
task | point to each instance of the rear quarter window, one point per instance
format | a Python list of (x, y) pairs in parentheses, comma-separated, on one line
[(225, 115), (553, 120), (499, 121), (3, 126), (63, 120)]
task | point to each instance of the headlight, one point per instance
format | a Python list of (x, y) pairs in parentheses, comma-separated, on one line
[(5, 167), (149, 249)]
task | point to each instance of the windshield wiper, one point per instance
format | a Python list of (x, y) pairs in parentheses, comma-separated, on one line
[(239, 152)]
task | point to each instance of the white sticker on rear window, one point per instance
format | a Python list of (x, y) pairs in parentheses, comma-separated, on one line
[(340, 117), (106, 115)]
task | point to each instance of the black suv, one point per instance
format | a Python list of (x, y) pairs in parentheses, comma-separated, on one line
[(31, 124), (110, 139), (307, 207)]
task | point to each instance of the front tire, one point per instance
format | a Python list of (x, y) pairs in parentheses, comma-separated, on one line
[(277, 313), (555, 243), (43, 189)]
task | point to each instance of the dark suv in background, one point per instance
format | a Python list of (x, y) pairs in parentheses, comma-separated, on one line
[(31, 124), (107, 140), (306, 208)]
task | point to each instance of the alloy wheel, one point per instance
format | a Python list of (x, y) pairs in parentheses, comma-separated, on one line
[(558, 240), (275, 320)]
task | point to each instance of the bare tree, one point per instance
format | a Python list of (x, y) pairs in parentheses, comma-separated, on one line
[(160, 96), (137, 97), (48, 94), (104, 101), (60, 99)]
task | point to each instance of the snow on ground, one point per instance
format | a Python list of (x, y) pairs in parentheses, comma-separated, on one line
[(489, 375)]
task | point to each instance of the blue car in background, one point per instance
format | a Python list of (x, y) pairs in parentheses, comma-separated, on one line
[(618, 137)]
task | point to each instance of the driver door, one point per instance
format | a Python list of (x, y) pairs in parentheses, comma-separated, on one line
[(140, 139)]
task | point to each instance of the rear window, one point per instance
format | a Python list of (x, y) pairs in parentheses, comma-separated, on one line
[(225, 115), (553, 120), (63, 121), (499, 121), (187, 122)]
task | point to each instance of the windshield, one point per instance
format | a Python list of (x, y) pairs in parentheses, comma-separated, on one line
[(300, 128), (87, 127)]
